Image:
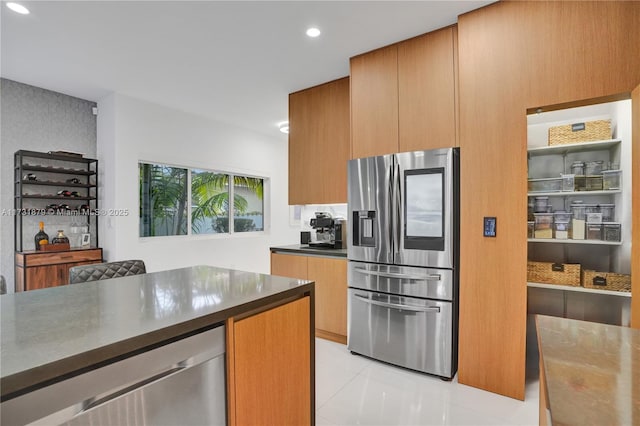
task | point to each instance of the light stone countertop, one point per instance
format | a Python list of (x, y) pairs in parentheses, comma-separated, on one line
[(56, 331), (592, 371)]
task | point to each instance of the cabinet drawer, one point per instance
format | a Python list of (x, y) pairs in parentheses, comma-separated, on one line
[(73, 256)]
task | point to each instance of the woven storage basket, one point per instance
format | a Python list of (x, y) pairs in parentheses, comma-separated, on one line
[(554, 273), (580, 132), (606, 280)]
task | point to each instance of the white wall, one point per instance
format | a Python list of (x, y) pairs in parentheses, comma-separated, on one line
[(130, 130)]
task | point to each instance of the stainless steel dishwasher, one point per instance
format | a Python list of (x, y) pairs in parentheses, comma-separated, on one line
[(179, 383)]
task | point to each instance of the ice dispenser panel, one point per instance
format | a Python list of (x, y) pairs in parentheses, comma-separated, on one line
[(363, 228)]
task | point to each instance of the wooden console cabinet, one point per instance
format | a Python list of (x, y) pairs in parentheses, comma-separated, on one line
[(36, 269)]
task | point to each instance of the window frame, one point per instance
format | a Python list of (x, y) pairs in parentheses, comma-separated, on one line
[(232, 232)]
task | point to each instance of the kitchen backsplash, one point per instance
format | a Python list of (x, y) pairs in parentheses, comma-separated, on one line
[(309, 211)]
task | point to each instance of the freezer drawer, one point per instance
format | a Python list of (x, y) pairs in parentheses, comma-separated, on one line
[(402, 280), (409, 332), (181, 383)]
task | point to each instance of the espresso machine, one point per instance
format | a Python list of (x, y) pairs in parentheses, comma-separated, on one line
[(330, 232)]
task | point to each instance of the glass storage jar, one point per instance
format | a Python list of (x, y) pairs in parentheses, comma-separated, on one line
[(60, 238)]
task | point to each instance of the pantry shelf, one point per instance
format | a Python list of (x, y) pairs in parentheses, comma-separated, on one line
[(573, 193), (579, 289), (574, 147), (587, 242)]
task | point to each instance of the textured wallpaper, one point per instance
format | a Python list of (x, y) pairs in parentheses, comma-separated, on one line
[(38, 120)]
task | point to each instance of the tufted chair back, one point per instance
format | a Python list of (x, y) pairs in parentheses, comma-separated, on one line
[(103, 271)]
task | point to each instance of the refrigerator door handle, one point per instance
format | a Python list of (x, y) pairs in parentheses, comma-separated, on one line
[(399, 306), (429, 277), (397, 215)]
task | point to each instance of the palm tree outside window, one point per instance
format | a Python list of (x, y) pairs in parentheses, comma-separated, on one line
[(164, 210)]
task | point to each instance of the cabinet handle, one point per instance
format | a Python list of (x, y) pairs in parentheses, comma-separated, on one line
[(69, 256)]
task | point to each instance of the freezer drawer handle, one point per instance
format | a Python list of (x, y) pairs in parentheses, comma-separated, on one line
[(399, 306), (429, 277)]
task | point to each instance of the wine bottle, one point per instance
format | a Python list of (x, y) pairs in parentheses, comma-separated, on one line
[(41, 237)]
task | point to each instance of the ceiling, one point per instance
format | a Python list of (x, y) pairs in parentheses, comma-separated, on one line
[(233, 61)]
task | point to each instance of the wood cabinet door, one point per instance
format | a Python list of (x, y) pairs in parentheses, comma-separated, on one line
[(426, 91), (319, 144), (269, 361), (635, 207), (330, 276), (374, 103), (289, 265), (46, 276)]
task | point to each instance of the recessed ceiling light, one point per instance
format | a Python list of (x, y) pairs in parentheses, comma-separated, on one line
[(284, 127), (313, 32), (18, 8)]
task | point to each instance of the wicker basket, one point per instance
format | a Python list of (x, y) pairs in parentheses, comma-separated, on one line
[(606, 280), (580, 132), (554, 273)]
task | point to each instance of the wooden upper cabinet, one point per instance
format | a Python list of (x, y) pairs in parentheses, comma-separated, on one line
[(403, 97), (319, 144), (374, 103), (426, 88)]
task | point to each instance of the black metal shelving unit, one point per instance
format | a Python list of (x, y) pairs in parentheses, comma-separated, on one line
[(51, 171)]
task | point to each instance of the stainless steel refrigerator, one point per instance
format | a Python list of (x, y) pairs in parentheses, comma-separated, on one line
[(403, 252)]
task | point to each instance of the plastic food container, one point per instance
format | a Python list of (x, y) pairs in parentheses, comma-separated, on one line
[(561, 216), (594, 231), (562, 230), (577, 168), (608, 212), (611, 179), (593, 183), (543, 225), (594, 218), (541, 205), (593, 167), (579, 211), (611, 231), (545, 185), (568, 182), (578, 229)]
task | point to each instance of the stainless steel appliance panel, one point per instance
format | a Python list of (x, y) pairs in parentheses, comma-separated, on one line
[(369, 193), (182, 382), (402, 280), (409, 332), (424, 201)]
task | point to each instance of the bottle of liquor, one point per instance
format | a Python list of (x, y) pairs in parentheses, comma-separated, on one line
[(41, 237)]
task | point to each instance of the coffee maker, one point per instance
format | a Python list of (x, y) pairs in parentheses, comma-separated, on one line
[(330, 232)]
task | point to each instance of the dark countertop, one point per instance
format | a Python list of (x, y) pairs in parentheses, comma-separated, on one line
[(592, 371), (61, 330), (305, 249)]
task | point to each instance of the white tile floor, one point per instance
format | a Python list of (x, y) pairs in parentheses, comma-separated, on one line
[(353, 390)]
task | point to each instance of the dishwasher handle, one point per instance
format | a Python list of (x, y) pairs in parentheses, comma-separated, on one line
[(428, 277), (398, 305), (97, 401)]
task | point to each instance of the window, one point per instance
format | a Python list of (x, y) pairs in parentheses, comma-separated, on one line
[(164, 210)]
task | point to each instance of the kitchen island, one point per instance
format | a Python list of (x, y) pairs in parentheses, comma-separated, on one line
[(53, 335), (589, 373)]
